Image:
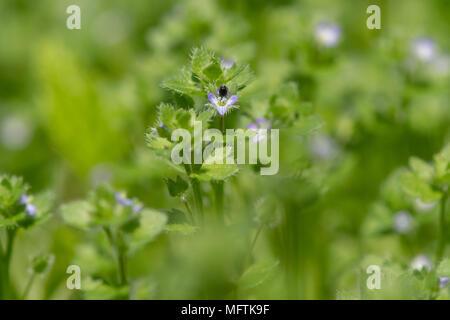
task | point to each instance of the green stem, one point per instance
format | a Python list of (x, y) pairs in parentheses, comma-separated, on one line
[(195, 184), (252, 246), (218, 194), (1, 246), (121, 258), (218, 185), (442, 233), (197, 197), (189, 210), (10, 235), (222, 120), (122, 267), (6, 290), (28, 287)]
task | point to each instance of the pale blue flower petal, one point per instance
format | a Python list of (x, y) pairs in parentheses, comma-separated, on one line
[(232, 100), (30, 209), (212, 99), (222, 110)]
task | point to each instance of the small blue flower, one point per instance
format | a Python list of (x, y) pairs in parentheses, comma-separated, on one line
[(162, 125), (443, 281), (23, 199), (122, 200), (221, 101), (29, 208), (261, 126), (126, 202)]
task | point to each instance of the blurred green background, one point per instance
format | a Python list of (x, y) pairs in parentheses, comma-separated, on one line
[(75, 104)]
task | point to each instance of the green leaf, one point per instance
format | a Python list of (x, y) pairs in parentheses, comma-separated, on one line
[(213, 71), (144, 288), (77, 214), (178, 187), (173, 118), (422, 169), (183, 84), (151, 224), (167, 115), (183, 119), (418, 188), (11, 189), (43, 202), (175, 216), (215, 167), (307, 125), (185, 229), (239, 76), (286, 104), (98, 290), (42, 263), (442, 164), (157, 143), (378, 220), (257, 274), (130, 224), (200, 59), (13, 221), (204, 117), (217, 172), (443, 270), (267, 211)]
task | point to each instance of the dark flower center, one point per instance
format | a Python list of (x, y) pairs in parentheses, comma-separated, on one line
[(223, 91)]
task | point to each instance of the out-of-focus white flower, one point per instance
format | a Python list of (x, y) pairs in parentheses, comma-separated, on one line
[(421, 206), (421, 261), (403, 221), (327, 34), (15, 132), (423, 49), (323, 147)]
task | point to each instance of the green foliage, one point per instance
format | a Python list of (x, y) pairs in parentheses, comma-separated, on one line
[(257, 274), (205, 73), (425, 181), (128, 228), (443, 270), (113, 211), (215, 166), (178, 187), (13, 213), (42, 263), (361, 179)]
